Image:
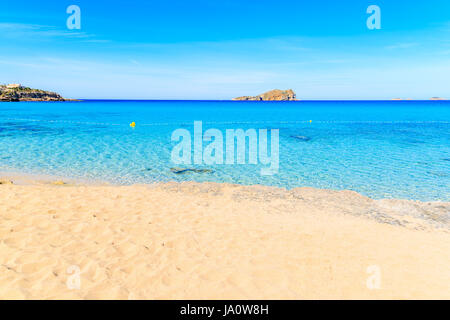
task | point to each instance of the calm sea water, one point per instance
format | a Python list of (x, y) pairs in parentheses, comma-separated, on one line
[(391, 149)]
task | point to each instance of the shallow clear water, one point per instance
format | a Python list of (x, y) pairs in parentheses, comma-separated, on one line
[(390, 149)]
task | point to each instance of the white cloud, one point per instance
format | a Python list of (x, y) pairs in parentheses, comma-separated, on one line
[(22, 31), (404, 45)]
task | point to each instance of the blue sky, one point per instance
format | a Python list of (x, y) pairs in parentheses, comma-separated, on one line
[(212, 49)]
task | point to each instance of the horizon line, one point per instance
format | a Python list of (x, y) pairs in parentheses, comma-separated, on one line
[(252, 101)]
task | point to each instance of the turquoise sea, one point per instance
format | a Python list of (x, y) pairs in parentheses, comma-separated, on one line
[(382, 149)]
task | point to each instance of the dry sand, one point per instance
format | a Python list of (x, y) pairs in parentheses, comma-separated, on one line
[(218, 241)]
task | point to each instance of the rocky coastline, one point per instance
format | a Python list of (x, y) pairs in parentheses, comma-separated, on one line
[(17, 92)]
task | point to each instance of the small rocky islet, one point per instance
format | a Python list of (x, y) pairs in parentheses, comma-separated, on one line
[(272, 95)]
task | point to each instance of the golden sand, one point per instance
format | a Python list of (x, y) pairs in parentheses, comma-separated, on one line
[(218, 241)]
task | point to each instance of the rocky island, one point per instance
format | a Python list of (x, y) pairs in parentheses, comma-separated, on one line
[(17, 92), (273, 95)]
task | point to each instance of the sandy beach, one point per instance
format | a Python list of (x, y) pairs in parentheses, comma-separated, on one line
[(218, 241)]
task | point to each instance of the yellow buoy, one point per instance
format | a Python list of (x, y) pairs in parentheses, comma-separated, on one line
[(133, 124), (310, 121)]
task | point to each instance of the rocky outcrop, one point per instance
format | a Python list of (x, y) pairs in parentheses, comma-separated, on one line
[(186, 170), (301, 138), (273, 95), (19, 93)]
